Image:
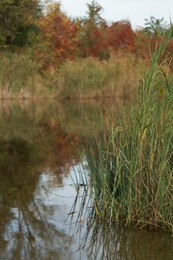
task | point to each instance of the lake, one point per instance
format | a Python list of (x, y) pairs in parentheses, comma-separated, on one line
[(42, 215)]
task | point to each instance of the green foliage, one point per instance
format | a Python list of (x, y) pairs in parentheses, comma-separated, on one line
[(20, 77), (17, 72), (94, 14), (155, 26), (91, 33), (16, 17)]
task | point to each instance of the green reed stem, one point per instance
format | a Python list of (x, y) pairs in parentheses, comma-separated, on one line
[(131, 163)]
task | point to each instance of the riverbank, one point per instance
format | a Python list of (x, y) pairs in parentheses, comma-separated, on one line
[(22, 78)]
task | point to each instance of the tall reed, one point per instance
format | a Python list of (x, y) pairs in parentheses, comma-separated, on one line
[(131, 163), (92, 78), (20, 77)]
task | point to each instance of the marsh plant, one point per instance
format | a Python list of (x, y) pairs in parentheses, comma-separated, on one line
[(131, 163), (94, 78), (20, 77)]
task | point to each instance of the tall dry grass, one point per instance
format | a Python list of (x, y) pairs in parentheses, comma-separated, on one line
[(20, 77), (93, 78)]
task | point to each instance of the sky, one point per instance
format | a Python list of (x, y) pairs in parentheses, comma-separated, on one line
[(114, 10)]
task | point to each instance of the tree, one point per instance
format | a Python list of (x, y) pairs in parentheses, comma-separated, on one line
[(16, 16), (155, 27), (148, 38), (58, 36), (91, 35), (121, 36), (94, 14)]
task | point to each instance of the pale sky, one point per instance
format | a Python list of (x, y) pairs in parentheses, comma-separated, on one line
[(114, 10)]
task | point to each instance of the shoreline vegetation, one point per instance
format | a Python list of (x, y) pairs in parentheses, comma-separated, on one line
[(88, 78), (130, 164), (46, 54)]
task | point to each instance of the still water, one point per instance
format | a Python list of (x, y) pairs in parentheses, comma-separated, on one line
[(40, 215)]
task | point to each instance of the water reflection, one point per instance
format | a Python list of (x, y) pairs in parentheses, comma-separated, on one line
[(32, 220), (111, 242), (40, 215), (102, 240), (36, 154)]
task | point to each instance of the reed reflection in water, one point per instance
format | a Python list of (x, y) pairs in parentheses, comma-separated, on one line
[(44, 213), (104, 241)]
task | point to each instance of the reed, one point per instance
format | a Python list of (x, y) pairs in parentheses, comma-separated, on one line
[(131, 163), (92, 78), (20, 77)]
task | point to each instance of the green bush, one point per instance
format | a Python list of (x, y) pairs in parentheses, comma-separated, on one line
[(93, 78)]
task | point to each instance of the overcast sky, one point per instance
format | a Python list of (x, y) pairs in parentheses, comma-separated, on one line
[(114, 10)]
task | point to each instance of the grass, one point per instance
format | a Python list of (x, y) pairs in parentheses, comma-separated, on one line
[(92, 78), (20, 77), (131, 163)]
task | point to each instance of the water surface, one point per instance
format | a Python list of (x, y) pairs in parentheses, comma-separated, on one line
[(40, 217)]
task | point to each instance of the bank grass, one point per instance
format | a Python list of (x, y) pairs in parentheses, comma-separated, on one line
[(130, 164), (21, 78), (93, 78)]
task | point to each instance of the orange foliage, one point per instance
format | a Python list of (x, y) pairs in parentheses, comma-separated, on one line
[(62, 38), (145, 45), (58, 35), (91, 40), (121, 36)]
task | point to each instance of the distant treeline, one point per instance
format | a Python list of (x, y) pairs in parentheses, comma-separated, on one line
[(53, 36)]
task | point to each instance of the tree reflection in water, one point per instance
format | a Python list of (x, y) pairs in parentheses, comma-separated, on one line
[(25, 229), (17, 188), (36, 155)]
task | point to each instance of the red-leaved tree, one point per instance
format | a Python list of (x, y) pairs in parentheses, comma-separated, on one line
[(121, 36), (58, 37)]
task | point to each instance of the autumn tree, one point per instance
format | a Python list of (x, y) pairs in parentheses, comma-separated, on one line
[(91, 36), (148, 37), (121, 36), (58, 36), (16, 18)]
